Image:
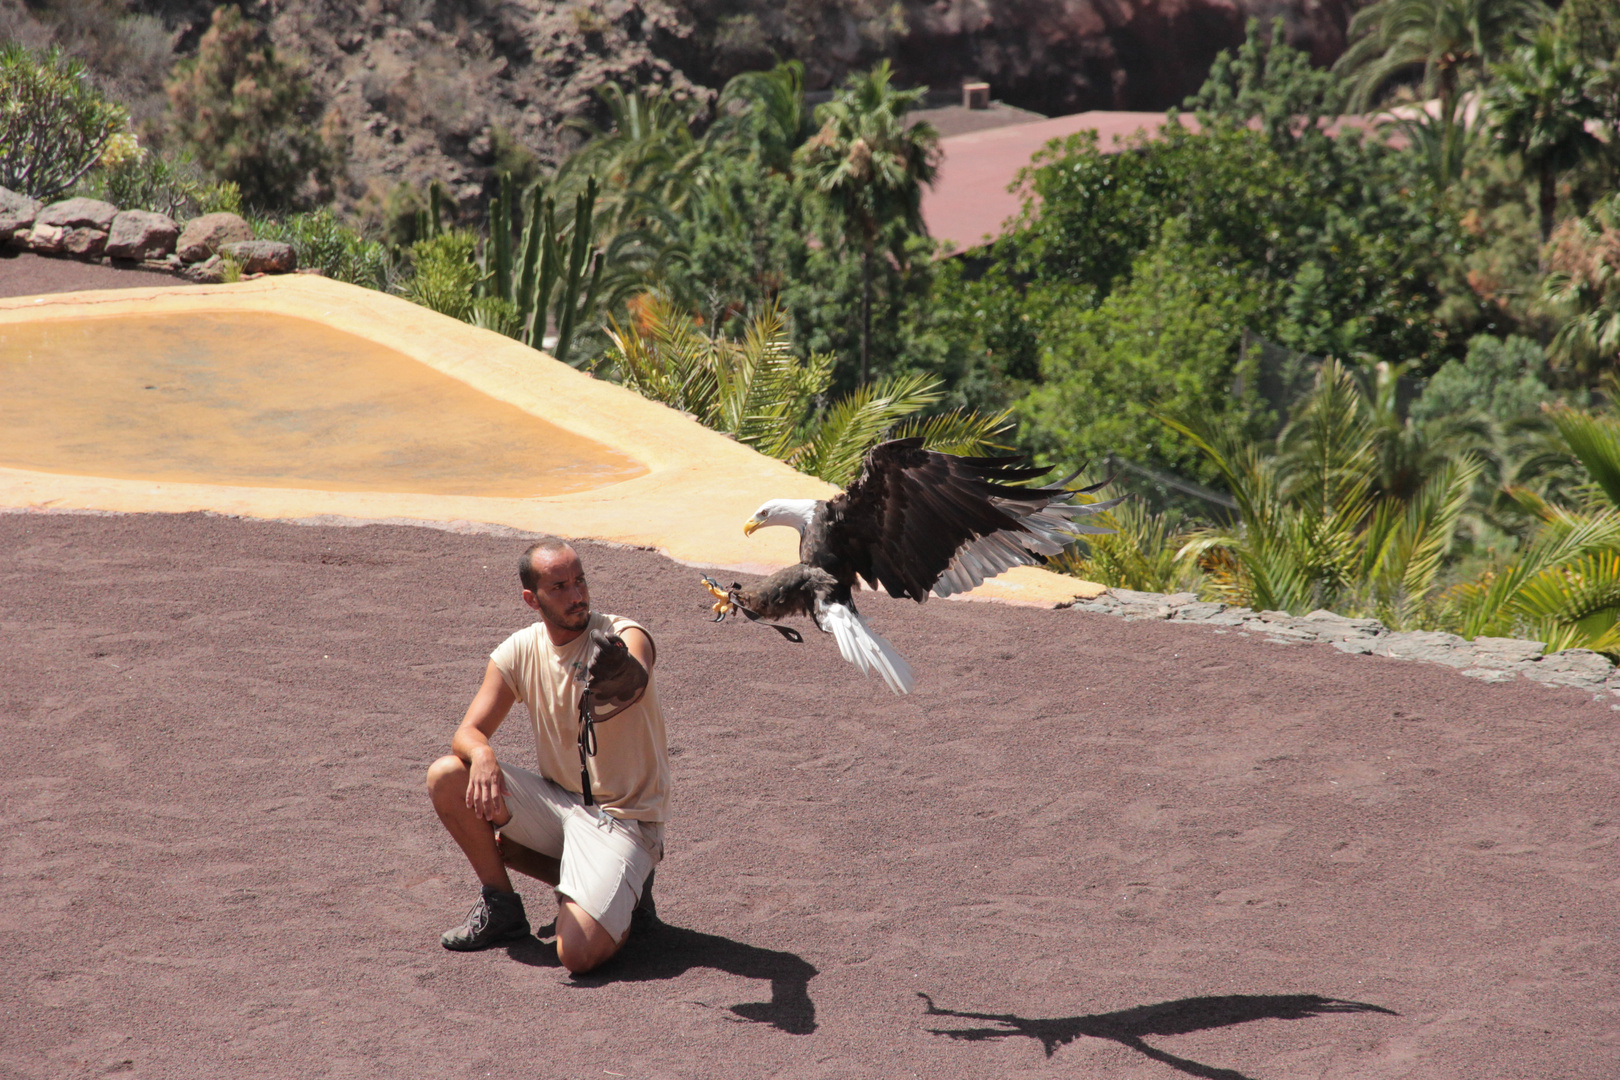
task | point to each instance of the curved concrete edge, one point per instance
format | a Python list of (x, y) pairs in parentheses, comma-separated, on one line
[(690, 505)]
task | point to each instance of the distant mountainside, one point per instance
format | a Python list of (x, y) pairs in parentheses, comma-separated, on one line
[(1052, 56), (440, 89)]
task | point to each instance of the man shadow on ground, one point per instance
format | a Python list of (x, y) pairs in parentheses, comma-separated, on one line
[(658, 950), (1129, 1027)]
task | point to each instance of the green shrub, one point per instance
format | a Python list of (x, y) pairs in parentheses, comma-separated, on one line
[(54, 125), (1168, 340), (143, 179), (246, 114), (324, 243), (1140, 554), (1500, 378), (446, 273)]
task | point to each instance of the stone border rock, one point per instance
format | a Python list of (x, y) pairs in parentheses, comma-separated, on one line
[(1487, 658), (93, 231)]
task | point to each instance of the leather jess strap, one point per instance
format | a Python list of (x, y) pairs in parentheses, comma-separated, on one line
[(587, 739)]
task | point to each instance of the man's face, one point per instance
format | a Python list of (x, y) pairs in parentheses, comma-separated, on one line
[(562, 598)]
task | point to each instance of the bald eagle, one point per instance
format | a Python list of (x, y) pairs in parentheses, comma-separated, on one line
[(917, 523)]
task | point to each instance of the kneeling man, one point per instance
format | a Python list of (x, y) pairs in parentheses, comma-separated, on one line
[(599, 851)]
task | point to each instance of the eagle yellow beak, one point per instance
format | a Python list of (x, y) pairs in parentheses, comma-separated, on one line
[(750, 525)]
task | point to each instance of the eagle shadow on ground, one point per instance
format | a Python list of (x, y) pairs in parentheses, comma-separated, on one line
[(1128, 1027), (662, 951)]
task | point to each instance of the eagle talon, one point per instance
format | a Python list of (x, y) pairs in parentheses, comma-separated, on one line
[(725, 606)]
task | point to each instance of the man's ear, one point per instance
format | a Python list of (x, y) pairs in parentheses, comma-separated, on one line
[(530, 599)]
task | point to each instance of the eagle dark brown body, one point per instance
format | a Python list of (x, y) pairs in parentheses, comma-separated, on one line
[(916, 523)]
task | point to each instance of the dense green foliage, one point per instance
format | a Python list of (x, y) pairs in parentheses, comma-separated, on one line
[(1500, 378), (756, 390), (323, 243), (1168, 338), (54, 125), (1131, 277)]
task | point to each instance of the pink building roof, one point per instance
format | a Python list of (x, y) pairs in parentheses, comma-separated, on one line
[(969, 201)]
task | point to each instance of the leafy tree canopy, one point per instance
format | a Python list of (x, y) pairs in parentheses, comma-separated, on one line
[(246, 114), (1169, 339), (1500, 377)]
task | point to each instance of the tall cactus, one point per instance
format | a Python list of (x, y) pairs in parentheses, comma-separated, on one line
[(554, 275), (429, 222)]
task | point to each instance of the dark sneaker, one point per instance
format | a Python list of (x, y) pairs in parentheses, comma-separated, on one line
[(496, 918), (645, 914)]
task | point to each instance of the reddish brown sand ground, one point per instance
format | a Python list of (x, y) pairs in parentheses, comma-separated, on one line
[(1083, 847), (25, 274)]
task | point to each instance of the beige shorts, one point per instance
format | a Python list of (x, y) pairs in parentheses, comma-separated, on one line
[(605, 860)]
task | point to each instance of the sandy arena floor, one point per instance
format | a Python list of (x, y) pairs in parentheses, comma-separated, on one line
[(1083, 848)]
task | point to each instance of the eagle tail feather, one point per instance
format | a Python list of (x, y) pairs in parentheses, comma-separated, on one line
[(864, 647)]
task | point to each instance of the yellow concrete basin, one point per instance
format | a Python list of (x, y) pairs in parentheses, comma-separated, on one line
[(388, 412), (271, 401)]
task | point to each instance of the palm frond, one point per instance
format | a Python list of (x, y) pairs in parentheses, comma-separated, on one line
[(761, 399), (858, 421), (1596, 441), (1139, 554), (1492, 604), (960, 431), (1406, 545)]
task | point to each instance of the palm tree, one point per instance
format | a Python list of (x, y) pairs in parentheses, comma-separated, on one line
[(1442, 139), (756, 390), (1539, 103), (643, 162), (1448, 42), (767, 109), (1315, 531), (871, 165), (1564, 586), (1139, 554)]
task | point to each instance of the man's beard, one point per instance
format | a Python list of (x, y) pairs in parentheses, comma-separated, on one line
[(573, 620)]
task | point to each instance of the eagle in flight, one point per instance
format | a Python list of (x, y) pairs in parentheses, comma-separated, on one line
[(915, 522)]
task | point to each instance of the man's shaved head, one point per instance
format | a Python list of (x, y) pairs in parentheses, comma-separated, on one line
[(548, 545)]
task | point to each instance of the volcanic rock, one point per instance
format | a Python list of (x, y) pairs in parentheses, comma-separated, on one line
[(17, 213), (141, 234), (79, 214), (262, 256), (206, 235)]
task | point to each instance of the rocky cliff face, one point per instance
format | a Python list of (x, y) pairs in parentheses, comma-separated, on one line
[(445, 89), (1063, 56), (427, 89)]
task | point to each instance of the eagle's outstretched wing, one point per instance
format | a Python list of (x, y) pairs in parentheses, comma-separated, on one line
[(918, 522)]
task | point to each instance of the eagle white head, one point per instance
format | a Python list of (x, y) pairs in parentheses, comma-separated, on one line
[(794, 512)]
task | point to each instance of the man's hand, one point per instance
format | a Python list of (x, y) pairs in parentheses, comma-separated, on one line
[(486, 788), (615, 677)]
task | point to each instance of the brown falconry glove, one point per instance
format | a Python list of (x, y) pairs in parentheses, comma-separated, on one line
[(615, 677)]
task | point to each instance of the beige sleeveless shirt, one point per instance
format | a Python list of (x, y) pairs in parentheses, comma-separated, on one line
[(630, 772)]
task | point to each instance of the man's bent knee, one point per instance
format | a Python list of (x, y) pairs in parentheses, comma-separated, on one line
[(582, 943), (448, 773)]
